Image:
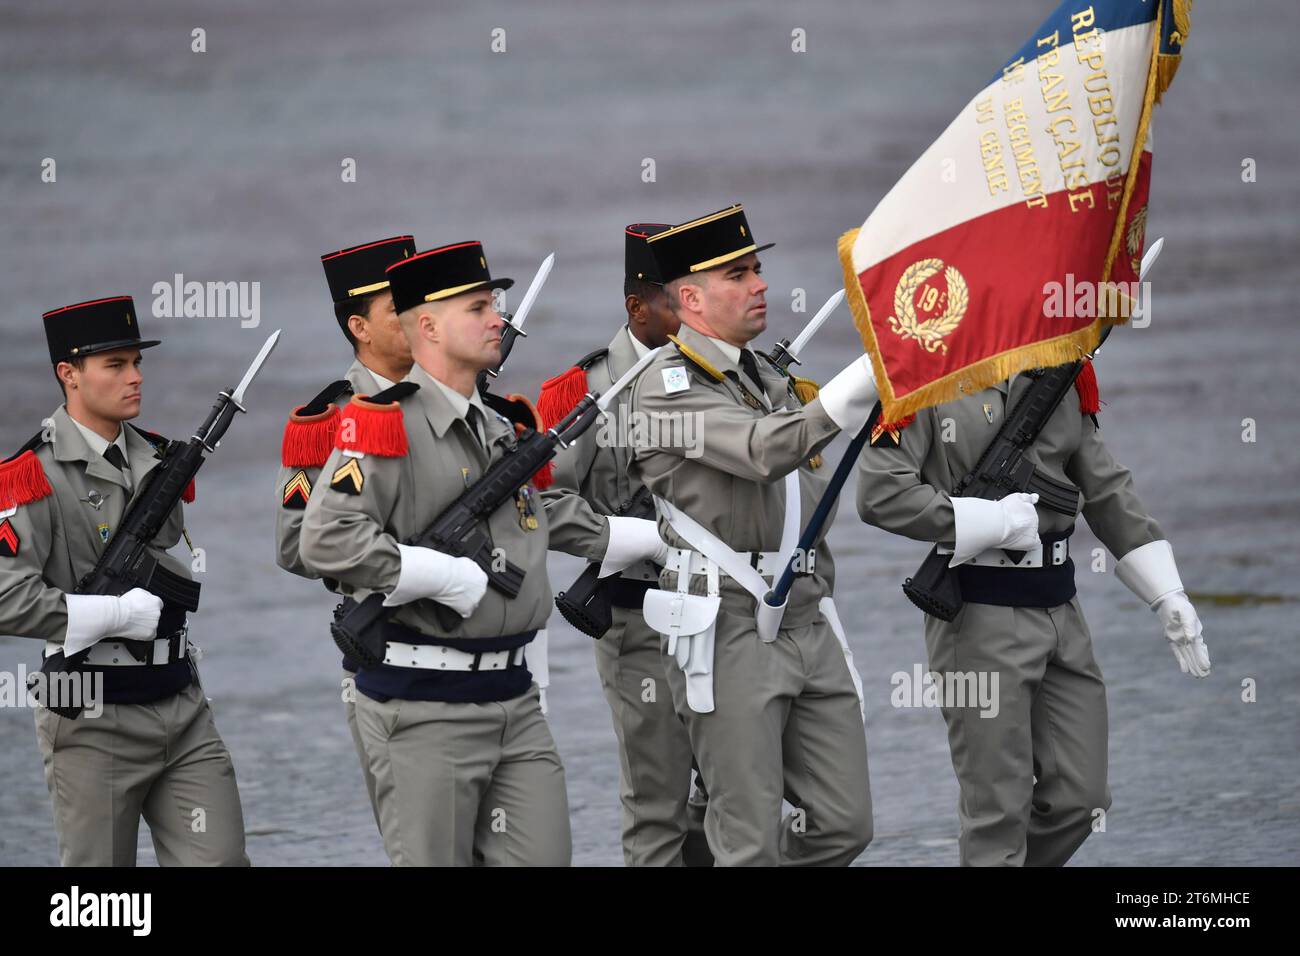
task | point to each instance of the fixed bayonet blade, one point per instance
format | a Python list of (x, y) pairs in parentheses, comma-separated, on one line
[(238, 394), (534, 289), (811, 329)]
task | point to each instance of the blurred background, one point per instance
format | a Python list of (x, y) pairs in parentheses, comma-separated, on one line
[(226, 166)]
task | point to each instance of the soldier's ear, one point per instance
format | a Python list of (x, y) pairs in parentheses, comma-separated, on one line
[(66, 373), (357, 326), (635, 308), (427, 324)]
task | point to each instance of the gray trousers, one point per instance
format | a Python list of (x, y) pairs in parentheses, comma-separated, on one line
[(1033, 778), (786, 724), (458, 784), (654, 749), (164, 761), (350, 692)]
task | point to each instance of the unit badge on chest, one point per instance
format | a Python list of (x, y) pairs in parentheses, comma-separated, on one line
[(988, 412), (103, 532), (676, 379)]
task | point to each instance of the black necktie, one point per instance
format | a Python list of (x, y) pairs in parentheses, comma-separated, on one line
[(750, 366), (474, 420), (113, 455)]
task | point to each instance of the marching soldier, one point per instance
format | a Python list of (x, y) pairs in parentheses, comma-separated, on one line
[(363, 308), (771, 710), (593, 483), (1032, 776), (464, 764), (140, 740)]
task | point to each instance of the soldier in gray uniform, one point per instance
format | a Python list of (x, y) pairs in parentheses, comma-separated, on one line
[(464, 764), (136, 736), (1032, 777), (363, 308), (593, 483), (770, 706)]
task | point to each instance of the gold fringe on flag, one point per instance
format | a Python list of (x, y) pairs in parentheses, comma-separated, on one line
[(1139, 142), (1167, 63)]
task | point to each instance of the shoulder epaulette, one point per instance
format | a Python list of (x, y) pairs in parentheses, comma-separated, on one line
[(560, 394), (159, 444), (373, 425), (516, 408), (327, 396), (591, 358), (309, 432), (696, 360), (22, 476)]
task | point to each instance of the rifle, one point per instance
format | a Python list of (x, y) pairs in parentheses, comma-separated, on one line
[(461, 528), (126, 562), (1005, 468), (588, 602)]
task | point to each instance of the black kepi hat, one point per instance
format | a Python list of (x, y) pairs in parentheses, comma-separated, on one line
[(440, 274), (100, 325), (359, 270), (703, 243), (638, 261)]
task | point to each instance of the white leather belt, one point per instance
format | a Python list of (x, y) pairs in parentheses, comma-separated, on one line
[(997, 558), (111, 653), (439, 657), (767, 563)]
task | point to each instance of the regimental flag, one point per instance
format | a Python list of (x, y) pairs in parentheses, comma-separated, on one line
[(1041, 179)]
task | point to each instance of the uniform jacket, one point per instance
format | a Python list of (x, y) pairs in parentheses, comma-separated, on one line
[(904, 487), (353, 537), (730, 479), (61, 535)]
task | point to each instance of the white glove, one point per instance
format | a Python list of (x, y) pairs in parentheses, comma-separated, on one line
[(1010, 523), (849, 397), (632, 540), (1183, 631), (93, 617), (458, 583), (1151, 574)]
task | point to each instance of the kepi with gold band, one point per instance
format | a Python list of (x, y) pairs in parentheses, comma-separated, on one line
[(703, 243), (360, 270), (441, 273)]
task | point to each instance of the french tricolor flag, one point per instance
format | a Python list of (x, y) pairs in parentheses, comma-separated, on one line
[(1042, 178)]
